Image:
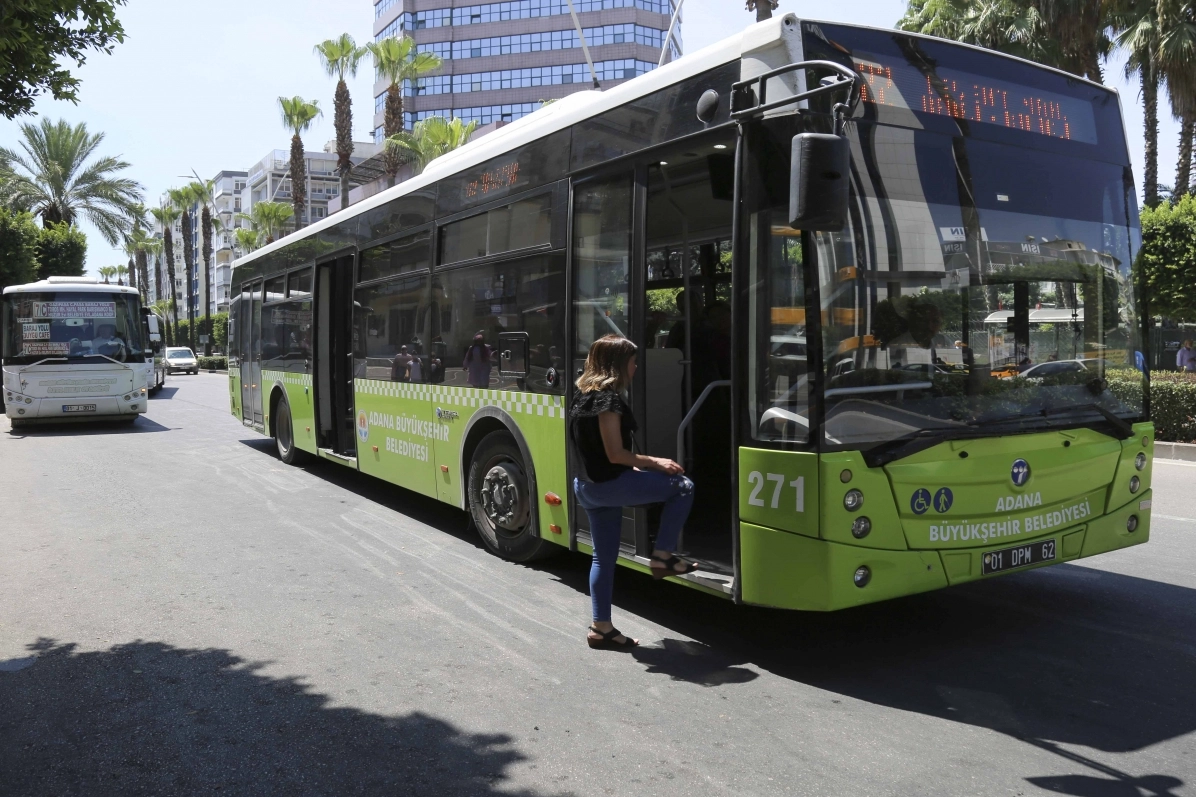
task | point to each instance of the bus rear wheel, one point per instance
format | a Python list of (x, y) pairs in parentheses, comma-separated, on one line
[(284, 435), (500, 500)]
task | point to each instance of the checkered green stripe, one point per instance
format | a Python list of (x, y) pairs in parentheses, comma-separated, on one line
[(514, 401), (287, 378)]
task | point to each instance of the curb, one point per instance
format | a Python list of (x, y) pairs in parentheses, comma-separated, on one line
[(1181, 451)]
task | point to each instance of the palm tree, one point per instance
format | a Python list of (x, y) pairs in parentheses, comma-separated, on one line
[(1177, 54), (431, 138), (267, 220), (54, 179), (121, 272), (1009, 26), (763, 8), (341, 56), (137, 246), (107, 272), (184, 199), (1136, 32), (162, 308), (167, 215), (204, 192), (152, 247), (1078, 27), (298, 115), (397, 60), (245, 239)]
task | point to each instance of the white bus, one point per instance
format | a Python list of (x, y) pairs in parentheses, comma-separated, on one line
[(72, 348)]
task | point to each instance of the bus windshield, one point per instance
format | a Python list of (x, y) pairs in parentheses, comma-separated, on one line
[(75, 325), (982, 286)]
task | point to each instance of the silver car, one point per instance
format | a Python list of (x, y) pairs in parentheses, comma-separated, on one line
[(180, 358)]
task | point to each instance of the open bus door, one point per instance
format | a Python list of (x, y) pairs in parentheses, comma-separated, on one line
[(335, 424), (250, 334)]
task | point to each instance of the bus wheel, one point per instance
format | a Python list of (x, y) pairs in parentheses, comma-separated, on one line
[(284, 435), (500, 500)]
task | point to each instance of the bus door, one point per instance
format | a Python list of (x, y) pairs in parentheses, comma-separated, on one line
[(601, 271), (335, 427), (686, 334), (249, 332)]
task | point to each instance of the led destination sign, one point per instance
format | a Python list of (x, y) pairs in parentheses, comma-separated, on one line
[(984, 100)]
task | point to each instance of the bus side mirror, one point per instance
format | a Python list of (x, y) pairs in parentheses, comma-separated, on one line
[(818, 181)]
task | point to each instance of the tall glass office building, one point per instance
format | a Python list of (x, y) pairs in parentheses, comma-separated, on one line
[(501, 60)]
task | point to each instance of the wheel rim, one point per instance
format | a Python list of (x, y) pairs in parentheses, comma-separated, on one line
[(284, 433), (503, 497)]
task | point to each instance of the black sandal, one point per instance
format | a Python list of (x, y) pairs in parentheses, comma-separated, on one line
[(608, 640), (670, 567)]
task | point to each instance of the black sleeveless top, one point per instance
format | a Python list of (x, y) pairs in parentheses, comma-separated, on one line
[(586, 436)]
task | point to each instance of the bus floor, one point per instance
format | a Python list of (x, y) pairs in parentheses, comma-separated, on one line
[(706, 538)]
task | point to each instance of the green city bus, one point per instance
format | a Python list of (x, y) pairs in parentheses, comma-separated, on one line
[(816, 336)]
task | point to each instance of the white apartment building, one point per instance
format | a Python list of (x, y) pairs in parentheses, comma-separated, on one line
[(269, 180)]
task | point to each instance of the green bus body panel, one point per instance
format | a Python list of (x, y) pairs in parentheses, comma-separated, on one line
[(792, 571), (420, 429), (796, 546), (300, 398), (878, 503), (234, 392)]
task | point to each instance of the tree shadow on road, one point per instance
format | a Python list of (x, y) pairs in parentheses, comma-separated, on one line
[(149, 718), (1067, 655)]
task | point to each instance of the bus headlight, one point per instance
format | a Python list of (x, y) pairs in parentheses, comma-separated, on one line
[(853, 500), (127, 397), (860, 527), (863, 574), (1140, 460), (1131, 524), (28, 401), (1135, 483)]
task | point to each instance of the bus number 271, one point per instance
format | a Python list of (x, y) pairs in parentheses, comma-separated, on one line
[(757, 480)]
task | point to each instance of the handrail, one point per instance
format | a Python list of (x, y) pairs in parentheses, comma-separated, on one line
[(690, 416)]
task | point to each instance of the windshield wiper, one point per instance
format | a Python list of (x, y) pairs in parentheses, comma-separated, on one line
[(920, 440), (1119, 423)]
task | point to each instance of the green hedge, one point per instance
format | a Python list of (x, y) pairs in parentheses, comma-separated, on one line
[(1172, 402), (213, 363)]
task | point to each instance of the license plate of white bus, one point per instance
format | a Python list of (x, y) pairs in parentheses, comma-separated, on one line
[(1021, 556), (78, 408)]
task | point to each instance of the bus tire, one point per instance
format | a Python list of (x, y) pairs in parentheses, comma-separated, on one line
[(500, 500), (284, 435)]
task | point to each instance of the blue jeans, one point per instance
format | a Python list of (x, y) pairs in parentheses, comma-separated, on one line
[(604, 502)]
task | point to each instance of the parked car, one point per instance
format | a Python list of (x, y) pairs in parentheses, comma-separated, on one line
[(1083, 365), (180, 358)]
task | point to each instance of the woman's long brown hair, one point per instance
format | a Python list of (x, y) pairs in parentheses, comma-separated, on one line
[(606, 364)]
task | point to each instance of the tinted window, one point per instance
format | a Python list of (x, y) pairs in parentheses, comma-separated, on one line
[(275, 289), (526, 295), (286, 335), (535, 164), (393, 331), (411, 253), (397, 215), (516, 226), (299, 283), (662, 116)]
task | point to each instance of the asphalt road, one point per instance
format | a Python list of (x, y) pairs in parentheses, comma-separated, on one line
[(184, 614)]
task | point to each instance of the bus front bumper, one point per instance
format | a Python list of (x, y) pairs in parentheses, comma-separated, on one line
[(28, 408), (791, 571)]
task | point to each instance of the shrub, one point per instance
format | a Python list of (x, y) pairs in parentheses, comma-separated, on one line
[(19, 236), (61, 251), (213, 363), (1172, 402)]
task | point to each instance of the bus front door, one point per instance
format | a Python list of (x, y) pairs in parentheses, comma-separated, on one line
[(249, 332), (335, 425), (686, 335)]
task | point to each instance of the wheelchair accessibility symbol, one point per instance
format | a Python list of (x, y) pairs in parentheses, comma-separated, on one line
[(919, 502), (943, 500)]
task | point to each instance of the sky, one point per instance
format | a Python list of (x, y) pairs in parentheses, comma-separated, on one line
[(195, 85)]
